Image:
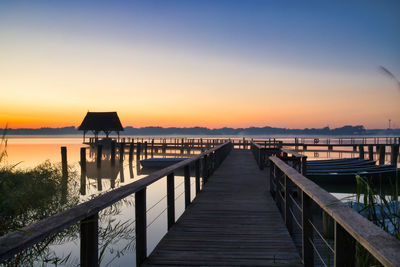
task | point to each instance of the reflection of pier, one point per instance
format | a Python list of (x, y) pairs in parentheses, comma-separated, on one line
[(233, 220)]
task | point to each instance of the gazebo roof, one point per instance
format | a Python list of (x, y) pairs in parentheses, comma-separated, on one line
[(101, 121)]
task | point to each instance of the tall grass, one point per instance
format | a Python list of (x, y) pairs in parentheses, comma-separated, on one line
[(383, 209)]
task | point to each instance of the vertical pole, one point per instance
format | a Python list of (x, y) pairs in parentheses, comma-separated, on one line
[(382, 153), (205, 169), (121, 152), (145, 149), (64, 161), (131, 147), (171, 199), (83, 171), (307, 232), (90, 241), (344, 247), (288, 215), (197, 173), (138, 150), (141, 225), (371, 152), (99, 155), (361, 151), (112, 153), (187, 185), (394, 154)]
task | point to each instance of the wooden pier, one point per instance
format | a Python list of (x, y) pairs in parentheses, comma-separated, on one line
[(244, 214), (234, 221)]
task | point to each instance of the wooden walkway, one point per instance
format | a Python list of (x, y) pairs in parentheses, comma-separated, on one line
[(233, 221)]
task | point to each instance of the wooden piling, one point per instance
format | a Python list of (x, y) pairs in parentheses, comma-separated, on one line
[(112, 152), (83, 171), (121, 152), (370, 152), (99, 155), (382, 153), (394, 154), (131, 147), (361, 151)]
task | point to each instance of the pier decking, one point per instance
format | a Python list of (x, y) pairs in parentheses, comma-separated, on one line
[(234, 221)]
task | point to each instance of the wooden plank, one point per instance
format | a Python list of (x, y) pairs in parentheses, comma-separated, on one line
[(233, 221)]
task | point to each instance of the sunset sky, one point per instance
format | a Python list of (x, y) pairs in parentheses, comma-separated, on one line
[(189, 63)]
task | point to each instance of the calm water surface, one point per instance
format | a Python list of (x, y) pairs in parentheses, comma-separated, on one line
[(116, 225)]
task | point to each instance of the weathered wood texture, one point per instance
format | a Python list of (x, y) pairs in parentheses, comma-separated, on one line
[(233, 221)]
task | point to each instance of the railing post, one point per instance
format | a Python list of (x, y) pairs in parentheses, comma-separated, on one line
[(141, 226), (361, 151), (187, 185), (171, 199), (307, 232), (344, 248), (271, 177), (205, 169), (197, 173), (90, 241), (394, 154), (288, 215), (382, 154)]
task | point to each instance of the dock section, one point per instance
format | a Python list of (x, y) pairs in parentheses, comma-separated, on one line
[(233, 221)]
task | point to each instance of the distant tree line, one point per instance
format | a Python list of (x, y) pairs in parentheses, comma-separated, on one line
[(129, 130)]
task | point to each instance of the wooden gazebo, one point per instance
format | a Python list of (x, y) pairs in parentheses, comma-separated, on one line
[(101, 122)]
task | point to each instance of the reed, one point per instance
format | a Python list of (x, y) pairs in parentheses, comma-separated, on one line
[(383, 209)]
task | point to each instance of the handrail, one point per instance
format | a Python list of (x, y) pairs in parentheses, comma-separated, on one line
[(17, 241), (293, 153), (384, 247)]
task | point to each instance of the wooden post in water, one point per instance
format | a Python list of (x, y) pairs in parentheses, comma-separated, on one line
[(138, 150), (382, 154), (90, 241), (145, 149), (361, 151), (113, 153), (370, 152), (170, 199), (394, 154), (99, 155), (121, 152), (131, 147), (141, 226), (152, 147), (64, 164), (83, 171)]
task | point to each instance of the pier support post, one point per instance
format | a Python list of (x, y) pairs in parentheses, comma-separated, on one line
[(370, 152), (382, 154), (64, 164), (394, 154), (361, 151), (99, 155), (83, 171), (131, 147), (112, 153), (121, 152)]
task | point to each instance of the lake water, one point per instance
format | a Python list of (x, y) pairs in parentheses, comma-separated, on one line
[(116, 224)]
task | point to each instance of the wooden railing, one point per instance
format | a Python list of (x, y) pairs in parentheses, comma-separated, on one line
[(299, 199), (88, 213)]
